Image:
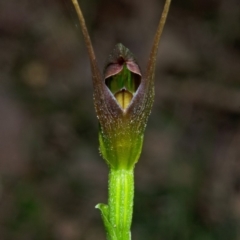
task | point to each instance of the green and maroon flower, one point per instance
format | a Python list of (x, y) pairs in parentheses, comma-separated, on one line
[(123, 99), (122, 109)]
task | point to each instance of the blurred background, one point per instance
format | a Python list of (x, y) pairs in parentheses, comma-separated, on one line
[(51, 174)]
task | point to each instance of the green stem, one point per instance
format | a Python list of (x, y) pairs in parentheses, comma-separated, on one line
[(120, 201)]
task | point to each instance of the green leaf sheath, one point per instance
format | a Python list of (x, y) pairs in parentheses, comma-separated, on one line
[(110, 230), (121, 191)]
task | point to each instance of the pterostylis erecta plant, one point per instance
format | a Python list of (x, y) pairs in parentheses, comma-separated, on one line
[(123, 98)]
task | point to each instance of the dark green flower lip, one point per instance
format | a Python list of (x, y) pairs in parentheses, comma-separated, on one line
[(122, 75)]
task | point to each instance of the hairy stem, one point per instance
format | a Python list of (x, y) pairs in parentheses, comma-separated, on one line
[(120, 202)]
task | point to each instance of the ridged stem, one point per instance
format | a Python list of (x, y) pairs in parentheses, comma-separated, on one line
[(120, 202)]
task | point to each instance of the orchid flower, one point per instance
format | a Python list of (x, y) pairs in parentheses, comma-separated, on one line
[(123, 99)]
